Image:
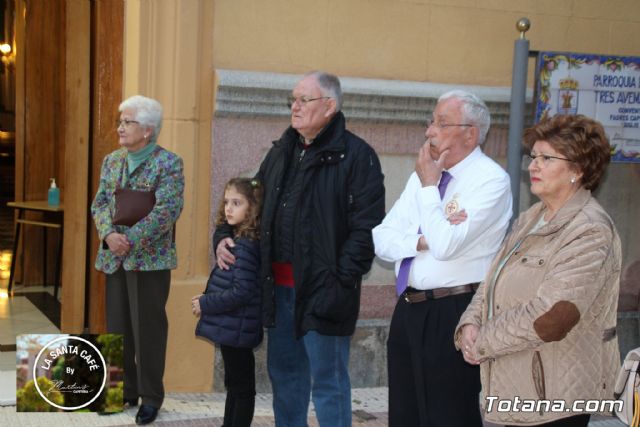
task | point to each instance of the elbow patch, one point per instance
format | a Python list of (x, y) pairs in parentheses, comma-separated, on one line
[(556, 323)]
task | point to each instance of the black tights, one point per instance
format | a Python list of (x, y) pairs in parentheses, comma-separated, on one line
[(240, 382)]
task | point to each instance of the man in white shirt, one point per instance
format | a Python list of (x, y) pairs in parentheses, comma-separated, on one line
[(452, 217)]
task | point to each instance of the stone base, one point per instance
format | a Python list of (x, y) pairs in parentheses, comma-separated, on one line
[(367, 362), (368, 358), (628, 330)]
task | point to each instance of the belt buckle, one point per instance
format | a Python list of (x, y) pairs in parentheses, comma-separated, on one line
[(406, 297)]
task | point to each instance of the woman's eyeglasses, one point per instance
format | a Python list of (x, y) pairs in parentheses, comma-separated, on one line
[(545, 159), (125, 122)]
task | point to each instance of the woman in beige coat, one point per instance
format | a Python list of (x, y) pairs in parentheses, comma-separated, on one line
[(542, 324)]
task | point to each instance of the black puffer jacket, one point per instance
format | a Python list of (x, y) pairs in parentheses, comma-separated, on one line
[(342, 200), (231, 303)]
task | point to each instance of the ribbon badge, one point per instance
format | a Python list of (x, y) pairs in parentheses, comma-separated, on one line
[(452, 206)]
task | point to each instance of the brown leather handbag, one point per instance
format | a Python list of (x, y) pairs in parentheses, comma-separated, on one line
[(132, 206)]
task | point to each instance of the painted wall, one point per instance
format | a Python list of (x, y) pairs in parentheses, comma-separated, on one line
[(438, 41), (445, 41), (172, 48), (168, 56)]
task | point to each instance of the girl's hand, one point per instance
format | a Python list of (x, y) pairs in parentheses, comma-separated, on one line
[(195, 305)]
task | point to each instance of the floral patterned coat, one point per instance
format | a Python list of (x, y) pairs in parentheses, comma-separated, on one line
[(151, 239)]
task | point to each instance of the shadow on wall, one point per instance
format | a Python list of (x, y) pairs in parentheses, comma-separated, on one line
[(630, 288), (628, 328)]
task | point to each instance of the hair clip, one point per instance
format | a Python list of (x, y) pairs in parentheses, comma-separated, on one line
[(255, 183)]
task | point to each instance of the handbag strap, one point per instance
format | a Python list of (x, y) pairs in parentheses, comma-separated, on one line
[(123, 180), (631, 392)]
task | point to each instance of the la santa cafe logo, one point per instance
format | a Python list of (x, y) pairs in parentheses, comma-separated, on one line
[(89, 364)]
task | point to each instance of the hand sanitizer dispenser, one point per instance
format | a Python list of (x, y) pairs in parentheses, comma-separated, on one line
[(54, 193)]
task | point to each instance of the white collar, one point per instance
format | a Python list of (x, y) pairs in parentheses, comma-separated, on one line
[(457, 169)]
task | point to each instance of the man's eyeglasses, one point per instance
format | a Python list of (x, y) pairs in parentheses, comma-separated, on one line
[(303, 100), (125, 122), (440, 125), (545, 159)]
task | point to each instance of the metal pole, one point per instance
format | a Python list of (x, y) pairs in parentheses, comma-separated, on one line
[(516, 112)]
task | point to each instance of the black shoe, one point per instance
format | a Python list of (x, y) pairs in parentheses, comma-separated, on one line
[(146, 414), (130, 403)]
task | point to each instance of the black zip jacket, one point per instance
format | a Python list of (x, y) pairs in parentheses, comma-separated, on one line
[(342, 200)]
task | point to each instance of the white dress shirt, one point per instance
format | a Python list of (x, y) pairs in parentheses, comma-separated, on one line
[(457, 254)]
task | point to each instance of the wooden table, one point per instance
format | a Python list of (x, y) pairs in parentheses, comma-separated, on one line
[(38, 206)]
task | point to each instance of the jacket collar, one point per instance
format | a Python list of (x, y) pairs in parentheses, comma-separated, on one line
[(565, 214), (329, 138), (465, 163)]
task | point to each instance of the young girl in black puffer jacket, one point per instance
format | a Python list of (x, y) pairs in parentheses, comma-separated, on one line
[(229, 309)]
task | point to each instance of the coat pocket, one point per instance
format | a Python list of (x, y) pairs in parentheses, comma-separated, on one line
[(537, 373), (335, 302)]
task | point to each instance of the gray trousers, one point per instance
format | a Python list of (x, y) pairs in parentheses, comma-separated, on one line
[(136, 308)]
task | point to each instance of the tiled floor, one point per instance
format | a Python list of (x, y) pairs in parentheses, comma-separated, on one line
[(202, 409), (206, 409), (19, 315)]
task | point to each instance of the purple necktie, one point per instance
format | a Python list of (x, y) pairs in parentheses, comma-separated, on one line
[(405, 265)]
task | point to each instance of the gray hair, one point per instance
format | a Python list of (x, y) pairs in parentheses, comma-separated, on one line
[(148, 112), (474, 111), (329, 85)]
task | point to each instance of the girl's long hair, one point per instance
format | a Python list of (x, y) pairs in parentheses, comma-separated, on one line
[(252, 190)]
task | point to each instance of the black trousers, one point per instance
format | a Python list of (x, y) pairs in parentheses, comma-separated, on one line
[(430, 384), (240, 382), (575, 421), (136, 308)]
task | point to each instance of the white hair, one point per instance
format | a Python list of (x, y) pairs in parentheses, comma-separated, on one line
[(474, 111), (329, 85), (147, 111)]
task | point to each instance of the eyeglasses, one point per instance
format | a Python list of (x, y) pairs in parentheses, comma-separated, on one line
[(545, 159), (303, 100), (125, 122), (441, 126)]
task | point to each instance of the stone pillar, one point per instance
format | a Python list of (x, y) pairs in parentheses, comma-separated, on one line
[(168, 54)]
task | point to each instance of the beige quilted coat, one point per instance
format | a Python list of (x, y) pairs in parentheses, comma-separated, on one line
[(551, 334)]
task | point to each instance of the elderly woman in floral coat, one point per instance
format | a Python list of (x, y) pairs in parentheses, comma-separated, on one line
[(138, 259)]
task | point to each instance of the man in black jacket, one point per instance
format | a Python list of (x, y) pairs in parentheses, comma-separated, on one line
[(324, 193)]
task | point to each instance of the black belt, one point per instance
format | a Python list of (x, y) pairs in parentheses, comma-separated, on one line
[(412, 295)]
